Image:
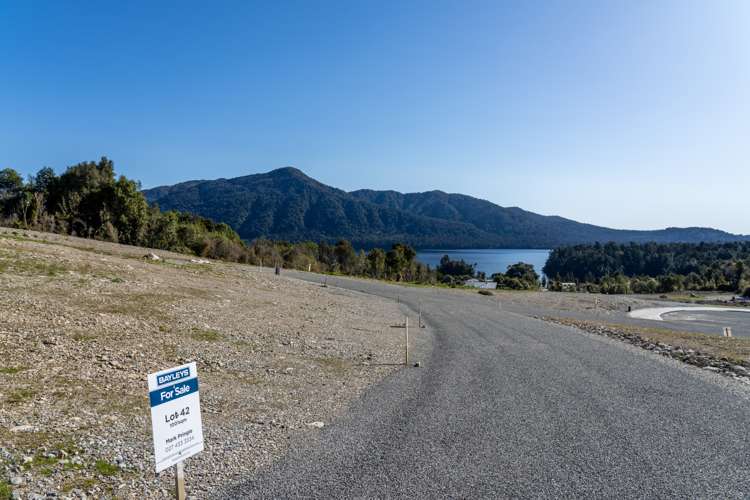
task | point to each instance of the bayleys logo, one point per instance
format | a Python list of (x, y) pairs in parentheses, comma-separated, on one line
[(173, 376)]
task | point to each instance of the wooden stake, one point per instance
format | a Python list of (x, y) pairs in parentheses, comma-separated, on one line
[(406, 345), (179, 482)]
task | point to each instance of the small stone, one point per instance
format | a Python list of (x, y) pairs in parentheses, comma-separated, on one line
[(318, 425), (417, 364), (151, 256), (23, 428), (288, 371), (16, 480)]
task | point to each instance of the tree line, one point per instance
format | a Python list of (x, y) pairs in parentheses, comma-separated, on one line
[(90, 201), (652, 267)]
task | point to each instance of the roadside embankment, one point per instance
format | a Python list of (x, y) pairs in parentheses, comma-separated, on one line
[(83, 322), (726, 356)]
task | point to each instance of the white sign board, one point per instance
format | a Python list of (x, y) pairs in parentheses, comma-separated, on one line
[(175, 415)]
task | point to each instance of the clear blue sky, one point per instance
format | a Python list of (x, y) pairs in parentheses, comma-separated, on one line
[(631, 114)]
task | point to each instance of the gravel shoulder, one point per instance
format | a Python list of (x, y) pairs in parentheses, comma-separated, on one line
[(83, 322)]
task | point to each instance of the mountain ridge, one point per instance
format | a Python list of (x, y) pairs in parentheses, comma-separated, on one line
[(287, 204)]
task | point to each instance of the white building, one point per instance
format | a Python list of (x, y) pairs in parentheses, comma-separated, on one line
[(485, 284)]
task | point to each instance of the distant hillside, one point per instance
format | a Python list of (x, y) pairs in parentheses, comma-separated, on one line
[(287, 204)]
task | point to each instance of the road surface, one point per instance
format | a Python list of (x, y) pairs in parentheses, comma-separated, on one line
[(507, 406)]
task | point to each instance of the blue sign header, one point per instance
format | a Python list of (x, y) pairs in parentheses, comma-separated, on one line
[(174, 391)]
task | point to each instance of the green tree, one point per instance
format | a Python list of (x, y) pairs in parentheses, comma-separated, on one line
[(398, 261), (345, 256), (457, 268), (376, 263), (44, 180), (129, 211), (522, 271), (10, 180)]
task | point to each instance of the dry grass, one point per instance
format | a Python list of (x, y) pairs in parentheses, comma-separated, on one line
[(334, 365), (203, 335), (732, 348)]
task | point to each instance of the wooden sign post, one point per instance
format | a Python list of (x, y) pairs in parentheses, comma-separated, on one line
[(179, 481), (406, 350)]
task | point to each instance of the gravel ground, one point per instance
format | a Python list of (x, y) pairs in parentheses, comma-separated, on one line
[(507, 406), (83, 322)]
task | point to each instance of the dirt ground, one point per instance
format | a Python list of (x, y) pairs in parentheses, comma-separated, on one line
[(82, 323)]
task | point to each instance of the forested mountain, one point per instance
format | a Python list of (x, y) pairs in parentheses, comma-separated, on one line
[(286, 204)]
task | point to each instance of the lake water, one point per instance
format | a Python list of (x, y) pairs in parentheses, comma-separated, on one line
[(488, 261)]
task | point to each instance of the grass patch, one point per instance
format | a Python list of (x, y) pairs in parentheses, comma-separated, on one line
[(12, 370), (70, 466), (206, 335), (33, 266), (83, 337), (79, 484), (142, 305), (42, 461), (5, 490), (19, 396), (105, 468)]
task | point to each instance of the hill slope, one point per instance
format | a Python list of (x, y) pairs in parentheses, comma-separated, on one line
[(287, 204)]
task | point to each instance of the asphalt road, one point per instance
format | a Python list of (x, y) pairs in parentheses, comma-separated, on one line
[(507, 406), (714, 322)]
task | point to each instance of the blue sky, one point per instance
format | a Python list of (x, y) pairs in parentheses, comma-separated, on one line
[(629, 114)]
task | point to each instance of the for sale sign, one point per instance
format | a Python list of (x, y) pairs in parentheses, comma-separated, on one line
[(175, 415)]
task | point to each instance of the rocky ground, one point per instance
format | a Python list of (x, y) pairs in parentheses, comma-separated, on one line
[(82, 323)]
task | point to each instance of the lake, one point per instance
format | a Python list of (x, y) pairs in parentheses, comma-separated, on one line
[(488, 260)]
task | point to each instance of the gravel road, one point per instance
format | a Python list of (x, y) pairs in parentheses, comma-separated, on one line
[(509, 406)]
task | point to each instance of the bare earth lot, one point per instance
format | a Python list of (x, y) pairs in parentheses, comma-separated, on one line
[(83, 322)]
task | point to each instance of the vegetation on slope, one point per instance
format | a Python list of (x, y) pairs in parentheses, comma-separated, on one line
[(88, 200)]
